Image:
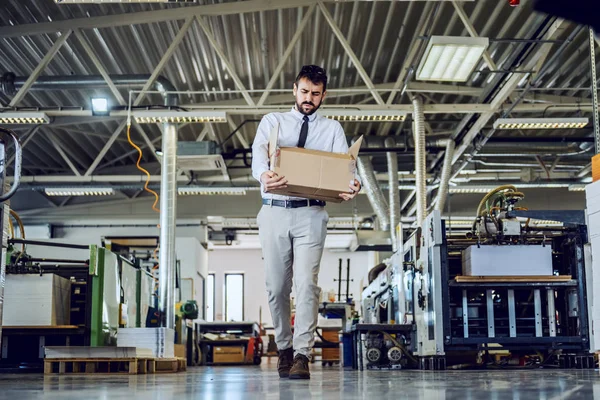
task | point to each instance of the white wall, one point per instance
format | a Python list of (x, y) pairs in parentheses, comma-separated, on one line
[(249, 262)]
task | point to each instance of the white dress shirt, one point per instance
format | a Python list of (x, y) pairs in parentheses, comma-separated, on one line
[(323, 134)]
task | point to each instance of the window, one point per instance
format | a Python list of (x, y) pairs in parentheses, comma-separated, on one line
[(210, 298), (234, 297)]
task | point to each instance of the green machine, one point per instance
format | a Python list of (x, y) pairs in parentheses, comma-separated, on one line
[(107, 292), (121, 295)]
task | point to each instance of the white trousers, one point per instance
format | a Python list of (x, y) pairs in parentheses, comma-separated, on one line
[(292, 241)]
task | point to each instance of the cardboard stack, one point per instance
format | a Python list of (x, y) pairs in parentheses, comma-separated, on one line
[(517, 260), (34, 300), (313, 174), (161, 341)]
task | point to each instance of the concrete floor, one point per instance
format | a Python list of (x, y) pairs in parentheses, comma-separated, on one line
[(262, 382)]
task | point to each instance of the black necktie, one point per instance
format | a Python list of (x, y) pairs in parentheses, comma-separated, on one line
[(303, 132)]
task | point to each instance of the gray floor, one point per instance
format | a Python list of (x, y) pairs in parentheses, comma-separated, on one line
[(327, 383)]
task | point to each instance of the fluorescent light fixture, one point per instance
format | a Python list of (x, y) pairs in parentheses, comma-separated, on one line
[(541, 123), (468, 190), (120, 1), (364, 116), (577, 188), (100, 106), (210, 191), (178, 117), (80, 191), (24, 118), (451, 58)]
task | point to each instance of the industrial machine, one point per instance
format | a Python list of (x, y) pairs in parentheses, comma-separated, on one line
[(100, 292), (508, 291)]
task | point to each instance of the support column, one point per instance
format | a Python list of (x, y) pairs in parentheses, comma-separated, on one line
[(168, 213)]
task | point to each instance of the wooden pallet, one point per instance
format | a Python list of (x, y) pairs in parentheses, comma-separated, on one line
[(503, 279), (132, 366)]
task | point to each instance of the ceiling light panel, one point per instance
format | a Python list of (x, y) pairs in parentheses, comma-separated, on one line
[(451, 58), (364, 116), (541, 123), (24, 118), (178, 117), (75, 191), (210, 191)]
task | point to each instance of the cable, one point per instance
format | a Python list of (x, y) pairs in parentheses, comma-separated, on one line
[(146, 188)]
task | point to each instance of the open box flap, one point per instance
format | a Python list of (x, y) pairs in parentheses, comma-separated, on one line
[(273, 136), (355, 148)]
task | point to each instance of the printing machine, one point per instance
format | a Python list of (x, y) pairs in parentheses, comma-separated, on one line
[(507, 286)]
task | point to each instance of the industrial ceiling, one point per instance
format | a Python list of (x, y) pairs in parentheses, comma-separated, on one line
[(241, 57)]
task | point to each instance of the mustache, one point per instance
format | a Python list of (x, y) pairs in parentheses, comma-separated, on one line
[(309, 103)]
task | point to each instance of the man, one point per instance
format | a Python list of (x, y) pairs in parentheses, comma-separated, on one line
[(292, 230)]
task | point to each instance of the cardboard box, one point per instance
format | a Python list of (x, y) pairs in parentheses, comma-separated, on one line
[(313, 174), (228, 355), (180, 351)]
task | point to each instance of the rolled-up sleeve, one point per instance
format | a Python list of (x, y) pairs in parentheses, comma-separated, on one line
[(260, 148)]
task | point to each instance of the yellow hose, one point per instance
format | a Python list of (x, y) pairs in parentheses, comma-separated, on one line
[(21, 227), (491, 193), (11, 229)]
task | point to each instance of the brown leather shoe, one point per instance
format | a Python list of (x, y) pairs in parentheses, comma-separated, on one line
[(300, 368), (286, 358)]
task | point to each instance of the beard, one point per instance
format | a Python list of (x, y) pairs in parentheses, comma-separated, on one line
[(311, 112)]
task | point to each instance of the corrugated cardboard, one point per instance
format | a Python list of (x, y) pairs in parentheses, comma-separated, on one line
[(228, 354), (313, 174)]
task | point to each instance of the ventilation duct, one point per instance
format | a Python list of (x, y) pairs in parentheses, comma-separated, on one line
[(420, 159), (374, 193), (445, 177), (394, 193)]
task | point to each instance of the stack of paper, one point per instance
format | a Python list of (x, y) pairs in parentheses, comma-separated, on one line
[(96, 352), (161, 341)]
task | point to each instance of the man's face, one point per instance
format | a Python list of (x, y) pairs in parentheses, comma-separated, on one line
[(308, 96)]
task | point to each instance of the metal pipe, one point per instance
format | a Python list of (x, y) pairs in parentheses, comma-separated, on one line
[(394, 193), (594, 87), (373, 191), (420, 159), (48, 244), (445, 176), (168, 212)]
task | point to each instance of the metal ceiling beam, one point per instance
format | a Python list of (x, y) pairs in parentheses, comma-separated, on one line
[(165, 59), (30, 134), (149, 143), (471, 29), (105, 149), (359, 68), (39, 68), (404, 71), (161, 15), (238, 134), (90, 53), (63, 154), (286, 55), (202, 134), (555, 99), (225, 61), (497, 102)]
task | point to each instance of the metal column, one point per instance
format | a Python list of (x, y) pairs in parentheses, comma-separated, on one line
[(465, 311), (551, 313), (538, 312), (168, 213), (594, 91), (512, 321), (490, 313)]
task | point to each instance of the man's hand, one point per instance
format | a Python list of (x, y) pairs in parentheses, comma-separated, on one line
[(354, 189), (272, 181)]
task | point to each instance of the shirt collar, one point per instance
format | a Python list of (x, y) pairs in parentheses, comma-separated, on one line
[(300, 116)]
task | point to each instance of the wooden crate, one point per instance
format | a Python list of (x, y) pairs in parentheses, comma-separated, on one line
[(131, 366)]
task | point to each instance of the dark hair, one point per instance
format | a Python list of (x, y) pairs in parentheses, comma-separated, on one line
[(313, 73)]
